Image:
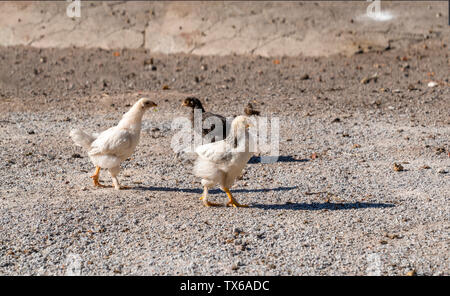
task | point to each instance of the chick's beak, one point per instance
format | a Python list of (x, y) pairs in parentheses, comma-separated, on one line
[(184, 104)]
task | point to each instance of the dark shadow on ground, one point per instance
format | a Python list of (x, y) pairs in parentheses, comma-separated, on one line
[(271, 159), (322, 206), (212, 191)]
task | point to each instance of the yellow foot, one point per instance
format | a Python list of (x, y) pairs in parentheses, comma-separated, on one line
[(211, 204), (232, 201), (95, 178), (236, 204), (98, 184)]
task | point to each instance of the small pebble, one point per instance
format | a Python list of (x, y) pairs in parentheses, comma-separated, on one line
[(398, 167), (432, 84), (304, 77)]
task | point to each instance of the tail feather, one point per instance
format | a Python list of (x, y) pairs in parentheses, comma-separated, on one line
[(82, 139)]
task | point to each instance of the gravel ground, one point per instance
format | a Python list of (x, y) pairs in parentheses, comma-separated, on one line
[(332, 205)]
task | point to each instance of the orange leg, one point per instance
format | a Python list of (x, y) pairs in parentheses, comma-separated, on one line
[(205, 199), (232, 201), (96, 176)]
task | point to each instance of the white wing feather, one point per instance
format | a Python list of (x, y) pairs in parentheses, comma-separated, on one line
[(113, 141), (217, 152)]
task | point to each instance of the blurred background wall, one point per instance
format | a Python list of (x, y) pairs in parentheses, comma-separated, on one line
[(206, 28)]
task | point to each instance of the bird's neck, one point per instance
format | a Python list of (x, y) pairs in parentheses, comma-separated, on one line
[(198, 107), (239, 138), (133, 118)]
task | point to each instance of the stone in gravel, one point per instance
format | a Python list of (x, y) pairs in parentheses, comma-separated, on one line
[(148, 61), (393, 236), (439, 150), (304, 77), (368, 79), (411, 87), (442, 171), (432, 84), (398, 167), (411, 273), (237, 230)]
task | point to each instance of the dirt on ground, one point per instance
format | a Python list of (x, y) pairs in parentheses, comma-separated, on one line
[(361, 185)]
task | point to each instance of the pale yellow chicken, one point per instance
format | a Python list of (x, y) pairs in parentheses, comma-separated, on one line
[(114, 145), (223, 161)]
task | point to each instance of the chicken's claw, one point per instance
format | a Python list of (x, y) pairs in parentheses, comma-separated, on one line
[(98, 184), (232, 201), (235, 204), (96, 176), (211, 204)]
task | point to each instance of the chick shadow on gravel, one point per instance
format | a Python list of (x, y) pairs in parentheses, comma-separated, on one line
[(274, 159), (315, 206), (212, 191)]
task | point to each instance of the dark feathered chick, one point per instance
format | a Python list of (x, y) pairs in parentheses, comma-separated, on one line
[(250, 111), (195, 103)]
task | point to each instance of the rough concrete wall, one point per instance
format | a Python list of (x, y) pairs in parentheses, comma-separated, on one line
[(220, 28)]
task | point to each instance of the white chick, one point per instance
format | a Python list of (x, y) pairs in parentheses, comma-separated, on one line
[(223, 161), (114, 145)]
